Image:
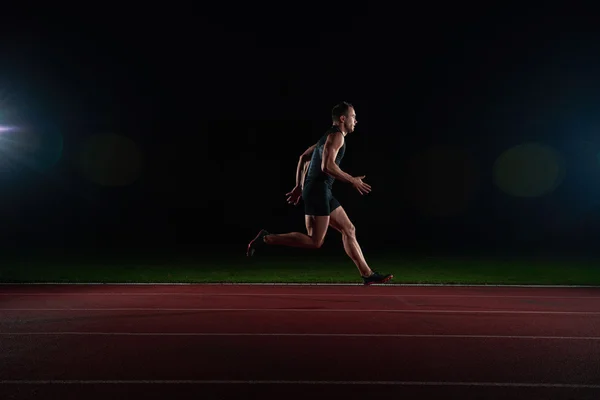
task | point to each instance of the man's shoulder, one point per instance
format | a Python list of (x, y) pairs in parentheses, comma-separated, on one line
[(336, 136), (333, 129)]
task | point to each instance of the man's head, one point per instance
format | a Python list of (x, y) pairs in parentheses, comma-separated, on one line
[(344, 116)]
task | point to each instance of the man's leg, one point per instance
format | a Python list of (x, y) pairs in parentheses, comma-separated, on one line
[(340, 222), (316, 227), (316, 210), (310, 222)]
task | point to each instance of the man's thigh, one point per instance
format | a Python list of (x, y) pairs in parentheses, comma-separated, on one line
[(316, 227), (340, 221)]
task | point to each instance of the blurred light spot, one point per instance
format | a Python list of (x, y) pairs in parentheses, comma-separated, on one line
[(529, 170), (441, 181), (110, 160), (27, 148)]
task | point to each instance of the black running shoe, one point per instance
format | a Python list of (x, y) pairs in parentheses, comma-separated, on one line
[(377, 278), (258, 242)]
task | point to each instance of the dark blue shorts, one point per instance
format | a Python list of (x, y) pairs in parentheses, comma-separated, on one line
[(318, 200)]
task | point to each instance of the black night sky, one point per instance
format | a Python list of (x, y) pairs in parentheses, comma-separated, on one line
[(217, 105)]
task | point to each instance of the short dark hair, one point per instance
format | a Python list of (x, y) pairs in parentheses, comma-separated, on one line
[(340, 109)]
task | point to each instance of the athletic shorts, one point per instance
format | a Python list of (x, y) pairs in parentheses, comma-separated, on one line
[(318, 200)]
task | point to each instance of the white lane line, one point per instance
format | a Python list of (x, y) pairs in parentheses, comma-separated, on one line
[(524, 296), (234, 334), (311, 310), (301, 382), (475, 285)]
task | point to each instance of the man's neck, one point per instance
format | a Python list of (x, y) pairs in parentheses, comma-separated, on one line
[(341, 127)]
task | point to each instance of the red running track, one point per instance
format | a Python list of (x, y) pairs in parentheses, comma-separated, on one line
[(273, 342)]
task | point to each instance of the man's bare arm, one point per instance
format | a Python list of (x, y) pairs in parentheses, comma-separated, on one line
[(303, 164), (304, 172), (334, 143)]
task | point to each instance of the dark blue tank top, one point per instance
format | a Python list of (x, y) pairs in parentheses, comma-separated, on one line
[(315, 174)]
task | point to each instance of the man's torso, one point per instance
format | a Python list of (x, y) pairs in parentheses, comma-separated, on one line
[(314, 175)]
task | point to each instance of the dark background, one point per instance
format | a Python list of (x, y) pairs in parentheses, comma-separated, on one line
[(220, 103)]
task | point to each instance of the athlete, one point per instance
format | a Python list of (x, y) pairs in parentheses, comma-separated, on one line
[(318, 167)]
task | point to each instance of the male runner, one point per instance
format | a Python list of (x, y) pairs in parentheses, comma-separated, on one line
[(321, 209)]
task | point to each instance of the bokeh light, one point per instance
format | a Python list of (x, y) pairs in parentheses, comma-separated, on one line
[(441, 181), (529, 170), (110, 160)]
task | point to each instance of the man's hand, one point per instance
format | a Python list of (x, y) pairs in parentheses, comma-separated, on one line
[(359, 185), (295, 195)]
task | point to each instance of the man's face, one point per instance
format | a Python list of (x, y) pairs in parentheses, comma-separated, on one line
[(349, 121)]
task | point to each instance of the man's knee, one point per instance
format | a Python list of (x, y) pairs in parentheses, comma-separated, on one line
[(349, 230), (317, 243)]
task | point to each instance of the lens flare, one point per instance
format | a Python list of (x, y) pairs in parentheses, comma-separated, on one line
[(33, 149), (529, 170)]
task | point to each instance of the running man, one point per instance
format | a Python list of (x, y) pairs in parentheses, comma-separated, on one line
[(318, 168)]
